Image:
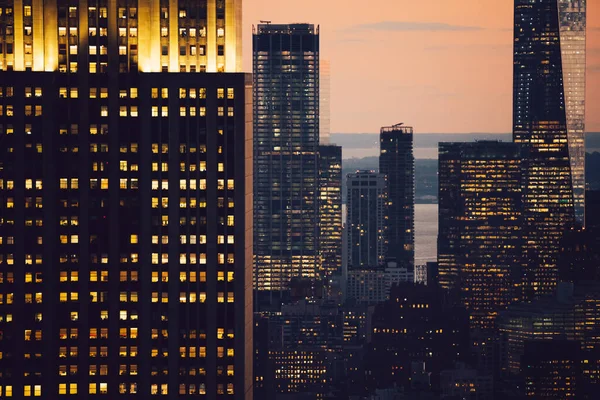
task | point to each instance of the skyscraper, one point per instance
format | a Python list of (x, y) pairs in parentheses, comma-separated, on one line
[(330, 208), (480, 218), (548, 119), (125, 249), (325, 102), (366, 207), (286, 148), (397, 162)]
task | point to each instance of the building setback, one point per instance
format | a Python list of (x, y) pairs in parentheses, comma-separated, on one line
[(397, 163), (286, 148), (125, 191)]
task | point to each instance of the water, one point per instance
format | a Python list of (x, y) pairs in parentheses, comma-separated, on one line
[(426, 227)]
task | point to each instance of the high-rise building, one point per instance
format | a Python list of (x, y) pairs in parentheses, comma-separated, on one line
[(480, 217), (330, 208), (548, 119), (325, 102), (286, 148), (125, 187), (366, 207), (397, 163)]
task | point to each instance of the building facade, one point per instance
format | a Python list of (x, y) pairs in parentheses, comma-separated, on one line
[(416, 325), (325, 102), (397, 163), (330, 209), (548, 119), (480, 225), (286, 148), (366, 208), (124, 191), (371, 286)]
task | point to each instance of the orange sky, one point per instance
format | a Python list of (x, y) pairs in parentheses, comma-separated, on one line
[(440, 65)]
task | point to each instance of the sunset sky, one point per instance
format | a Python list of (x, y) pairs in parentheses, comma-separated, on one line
[(443, 66)]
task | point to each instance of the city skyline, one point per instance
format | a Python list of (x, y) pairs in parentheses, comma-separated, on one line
[(440, 90)]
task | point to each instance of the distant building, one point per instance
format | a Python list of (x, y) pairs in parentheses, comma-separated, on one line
[(552, 369), (366, 208), (415, 325), (297, 349), (549, 122), (579, 255), (462, 382), (330, 209), (373, 285), (286, 149), (572, 313), (325, 102), (480, 222), (592, 209), (397, 163), (427, 274)]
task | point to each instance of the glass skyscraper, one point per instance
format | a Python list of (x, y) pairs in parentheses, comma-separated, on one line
[(548, 120), (125, 186), (286, 149)]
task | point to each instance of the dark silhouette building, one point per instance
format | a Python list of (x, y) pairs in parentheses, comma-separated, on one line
[(592, 209), (548, 120), (286, 150), (124, 192), (397, 163), (552, 369), (416, 324)]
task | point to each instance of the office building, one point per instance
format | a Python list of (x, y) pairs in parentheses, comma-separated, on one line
[(480, 218), (552, 369), (573, 313), (592, 209), (397, 163), (124, 188), (330, 209), (548, 120), (296, 349), (416, 324), (286, 149), (372, 285), (366, 207), (466, 383)]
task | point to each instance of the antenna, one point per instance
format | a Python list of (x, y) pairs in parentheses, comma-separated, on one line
[(265, 22)]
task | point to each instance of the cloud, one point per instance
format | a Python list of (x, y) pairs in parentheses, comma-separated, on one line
[(405, 26)]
